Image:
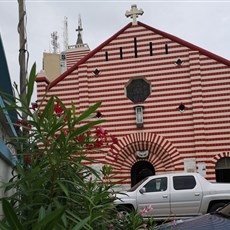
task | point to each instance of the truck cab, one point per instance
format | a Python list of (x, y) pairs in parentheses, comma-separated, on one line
[(170, 196)]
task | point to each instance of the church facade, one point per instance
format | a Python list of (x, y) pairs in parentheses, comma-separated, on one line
[(166, 100)]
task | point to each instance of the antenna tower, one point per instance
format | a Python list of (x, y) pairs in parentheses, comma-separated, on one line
[(54, 42), (65, 34)]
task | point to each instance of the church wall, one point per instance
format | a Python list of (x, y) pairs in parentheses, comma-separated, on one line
[(74, 55), (200, 83)]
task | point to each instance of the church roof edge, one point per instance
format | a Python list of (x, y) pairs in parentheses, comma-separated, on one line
[(167, 35), (187, 44)]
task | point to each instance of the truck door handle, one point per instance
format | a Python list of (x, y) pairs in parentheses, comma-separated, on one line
[(197, 194), (165, 196)]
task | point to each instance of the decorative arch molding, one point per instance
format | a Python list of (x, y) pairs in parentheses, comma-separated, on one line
[(219, 156), (162, 154), (221, 171)]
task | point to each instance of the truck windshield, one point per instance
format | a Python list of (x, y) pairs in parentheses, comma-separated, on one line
[(137, 185)]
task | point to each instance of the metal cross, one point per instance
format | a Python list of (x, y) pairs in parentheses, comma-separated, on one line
[(133, 13)]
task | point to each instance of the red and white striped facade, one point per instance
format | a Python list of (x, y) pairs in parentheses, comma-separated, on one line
[(201, 83), (74, 54)]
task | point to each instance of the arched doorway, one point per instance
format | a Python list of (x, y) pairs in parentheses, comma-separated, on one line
[(223, 170), (140, 170)]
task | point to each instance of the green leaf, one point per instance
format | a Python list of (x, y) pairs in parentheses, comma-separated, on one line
[(73, 107), (48, 111), (3, 226), (88, 112), (42, 213), (81, 224), (63, 187), (20, 169), (85, 128), (11, 216), (50, 220), (30, 86)]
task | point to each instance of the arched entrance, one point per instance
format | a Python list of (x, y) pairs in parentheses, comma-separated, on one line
[(223, 170), (140, 170)]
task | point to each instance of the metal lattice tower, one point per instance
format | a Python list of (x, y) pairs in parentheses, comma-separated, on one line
[(54, 41), (65, 34)]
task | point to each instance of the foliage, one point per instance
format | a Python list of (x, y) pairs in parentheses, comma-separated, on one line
[(51, 182), (52, 187)]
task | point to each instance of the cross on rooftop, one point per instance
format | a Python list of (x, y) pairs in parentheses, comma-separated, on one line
[(79, 29), (133, 13)]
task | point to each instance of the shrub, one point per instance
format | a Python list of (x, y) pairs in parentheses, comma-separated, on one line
[(51, 180), (53, 186)]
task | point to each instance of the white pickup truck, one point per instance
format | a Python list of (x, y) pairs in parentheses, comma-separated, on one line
[(175, 196)]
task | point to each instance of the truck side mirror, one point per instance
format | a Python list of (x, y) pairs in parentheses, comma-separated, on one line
[(142, 190)]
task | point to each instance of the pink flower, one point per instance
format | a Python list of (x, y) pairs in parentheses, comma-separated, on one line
[(146, 210), (80, 138), (100, 132), (114, 140), (58, 109), (173, 223), (34, 105), (98, 143), (27, 158)]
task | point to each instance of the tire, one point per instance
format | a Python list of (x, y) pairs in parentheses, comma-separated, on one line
[(216, 206), (123, 215)]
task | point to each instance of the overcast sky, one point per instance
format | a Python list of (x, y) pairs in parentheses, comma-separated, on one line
[(203, 23)]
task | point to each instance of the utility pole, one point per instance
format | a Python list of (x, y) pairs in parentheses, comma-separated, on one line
[(22, 51)]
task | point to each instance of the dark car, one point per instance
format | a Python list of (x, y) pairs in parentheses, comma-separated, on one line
[(219, 220)]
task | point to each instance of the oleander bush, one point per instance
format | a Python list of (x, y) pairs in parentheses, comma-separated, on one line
[(53, 186)]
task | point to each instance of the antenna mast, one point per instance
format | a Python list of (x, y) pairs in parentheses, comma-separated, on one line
[(54, 42), (65, 34)]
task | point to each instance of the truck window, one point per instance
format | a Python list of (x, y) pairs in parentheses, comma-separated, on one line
[(184, 182), (137, 185), (156, 185)]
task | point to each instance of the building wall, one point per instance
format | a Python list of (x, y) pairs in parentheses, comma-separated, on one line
[(75, 53), (8, 155), (51, 65), (6, 161), (176, 141), (5, 175)]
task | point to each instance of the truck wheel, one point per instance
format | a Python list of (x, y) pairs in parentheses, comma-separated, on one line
[(216, 206), (122, 215)]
